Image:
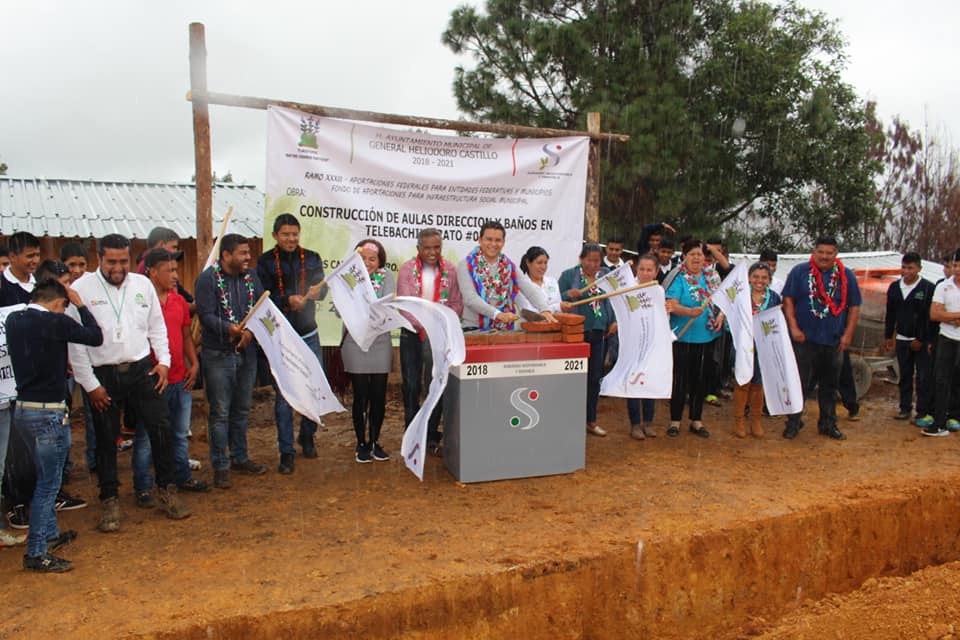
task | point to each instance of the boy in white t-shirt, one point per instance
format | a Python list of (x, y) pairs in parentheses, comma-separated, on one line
[(945, 309)]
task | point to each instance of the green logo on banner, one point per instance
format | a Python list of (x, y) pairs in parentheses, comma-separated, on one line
[(308, 132)]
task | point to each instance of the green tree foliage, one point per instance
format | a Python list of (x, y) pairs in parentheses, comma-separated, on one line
[(732, 108)]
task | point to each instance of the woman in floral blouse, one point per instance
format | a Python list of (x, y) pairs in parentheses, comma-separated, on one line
[(700, 324)]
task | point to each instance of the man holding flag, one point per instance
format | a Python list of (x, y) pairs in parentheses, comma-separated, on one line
[(293, 276), (226, 293), (821, 303)]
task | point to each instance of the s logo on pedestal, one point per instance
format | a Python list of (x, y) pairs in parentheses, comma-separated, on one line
[(524, 407)]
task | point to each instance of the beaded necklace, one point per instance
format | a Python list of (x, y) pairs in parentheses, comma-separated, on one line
[(592, 291), (225, 298), (824, 295), (302, 280)]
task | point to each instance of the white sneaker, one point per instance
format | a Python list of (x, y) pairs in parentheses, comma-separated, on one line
[(194, 465), (8, 539)]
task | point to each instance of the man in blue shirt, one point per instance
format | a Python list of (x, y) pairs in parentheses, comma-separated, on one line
[(821, 303)]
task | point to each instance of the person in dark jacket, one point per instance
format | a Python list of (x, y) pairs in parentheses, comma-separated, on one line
[(293, 276), (907, 332), (37, 341)]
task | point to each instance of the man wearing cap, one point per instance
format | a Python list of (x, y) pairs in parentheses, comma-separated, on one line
[(126, 307), (161, 266), (293, 275)]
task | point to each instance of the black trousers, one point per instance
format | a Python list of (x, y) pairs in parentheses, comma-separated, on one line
[(692, 369), (948, 396), (915, 364), (369, 404), (416, 366), (130, 383), (819, 365)]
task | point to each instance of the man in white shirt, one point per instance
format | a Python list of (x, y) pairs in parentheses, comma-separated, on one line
[(127, 309), (613, 253), (945, 309)]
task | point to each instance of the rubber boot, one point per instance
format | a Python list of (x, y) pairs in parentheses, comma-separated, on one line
[(756, 410), (739, 408)]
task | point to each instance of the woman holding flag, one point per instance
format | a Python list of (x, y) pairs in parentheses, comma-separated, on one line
[(599, 322), (696, 324), (762, 297), (490, 282), (368, 369)]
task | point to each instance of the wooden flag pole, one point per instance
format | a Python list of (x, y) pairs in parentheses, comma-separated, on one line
[(602, 296), (690, 321), (243, 324)]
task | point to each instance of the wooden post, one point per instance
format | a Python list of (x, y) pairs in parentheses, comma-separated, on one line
[(591, 213), (203, 169)]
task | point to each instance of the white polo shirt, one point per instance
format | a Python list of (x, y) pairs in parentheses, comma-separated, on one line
[(131, 320), (947, 293)]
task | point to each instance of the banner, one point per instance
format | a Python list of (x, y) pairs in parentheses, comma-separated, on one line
[(294, 366), (778, 364), (733, 298), (442, 326), (346, 181), (362, 312), (644, 367), (8, 384)]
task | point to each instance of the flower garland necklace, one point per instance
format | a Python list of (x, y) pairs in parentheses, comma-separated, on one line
[(702, 286), (758, 307), (592, 291), (224, 296), (302, 284), (496, 284), (376, 280), (824, 295), (441, 284)]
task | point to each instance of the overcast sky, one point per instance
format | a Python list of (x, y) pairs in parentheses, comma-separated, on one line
[(96, 89)]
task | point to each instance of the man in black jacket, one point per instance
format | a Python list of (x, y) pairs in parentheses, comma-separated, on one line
[(907, 331), (292, 275)]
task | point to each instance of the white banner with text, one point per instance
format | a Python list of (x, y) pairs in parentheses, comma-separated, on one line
[(346, 181)]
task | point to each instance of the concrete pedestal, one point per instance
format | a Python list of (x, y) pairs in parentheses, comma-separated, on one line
[(516, 411)]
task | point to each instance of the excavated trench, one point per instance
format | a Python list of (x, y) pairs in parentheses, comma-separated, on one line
[(714, 583)]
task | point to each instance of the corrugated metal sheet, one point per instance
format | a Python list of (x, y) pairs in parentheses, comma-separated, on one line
[(93, 208)]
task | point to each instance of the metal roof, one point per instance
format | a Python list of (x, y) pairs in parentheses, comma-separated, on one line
[(932, 271), (94, 208)]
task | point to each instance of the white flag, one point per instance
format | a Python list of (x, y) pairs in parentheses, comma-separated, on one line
[(295, 367), (442, 326), (644, 367), (215, 250), (778, 364), (364, 315), (8, 385), (733, 298)]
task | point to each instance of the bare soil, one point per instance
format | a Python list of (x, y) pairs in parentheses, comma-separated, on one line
[(623, 548)]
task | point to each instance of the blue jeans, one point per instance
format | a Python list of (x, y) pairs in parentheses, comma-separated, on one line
[(51, 442), (179, 403), (228, 380), (595, 338), (283, 413), (633, 410)]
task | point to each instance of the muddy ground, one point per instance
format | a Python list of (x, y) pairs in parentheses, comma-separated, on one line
[(337, 541)]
